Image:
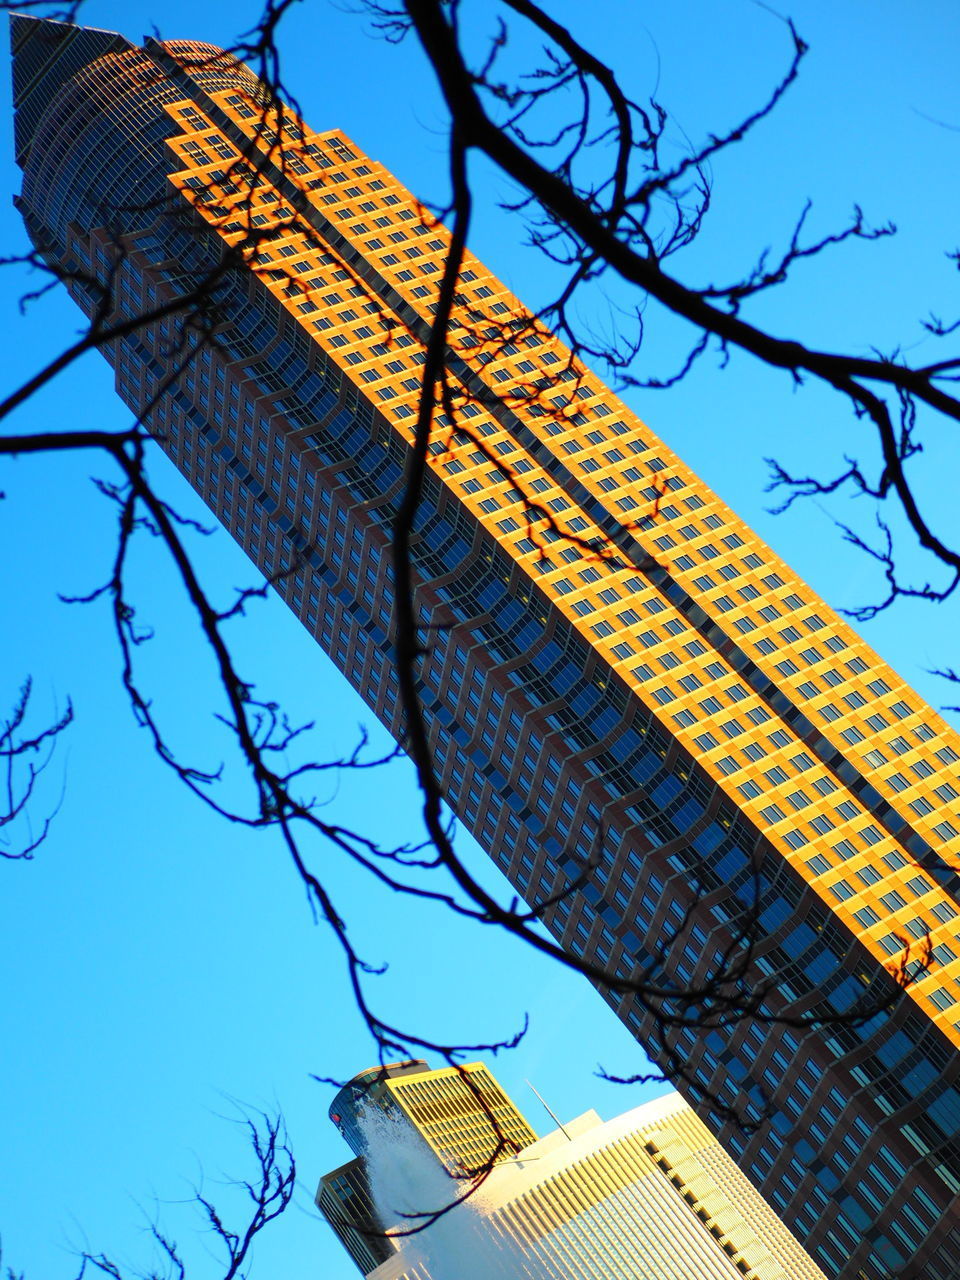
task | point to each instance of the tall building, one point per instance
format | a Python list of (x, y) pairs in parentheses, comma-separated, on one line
[(462, 1118), (343, 1198), (649, 1193), (462, 1114), (685, 708)]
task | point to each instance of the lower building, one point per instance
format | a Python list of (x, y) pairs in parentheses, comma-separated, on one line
[(648, 1194), (461, 1116), (343, 1197), (461, 1113)]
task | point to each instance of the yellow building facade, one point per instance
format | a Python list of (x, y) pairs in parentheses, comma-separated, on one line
[(461, 1113)]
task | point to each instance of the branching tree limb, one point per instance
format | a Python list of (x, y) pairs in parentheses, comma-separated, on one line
[(629, 222), (24, 756), (644, 212), (267, 1194)]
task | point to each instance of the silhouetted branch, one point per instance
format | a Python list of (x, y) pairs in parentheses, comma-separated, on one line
[(24, 756), (266, 1194), (612, 227)]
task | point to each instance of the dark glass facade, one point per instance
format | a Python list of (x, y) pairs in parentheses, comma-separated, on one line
[(343, 1197)]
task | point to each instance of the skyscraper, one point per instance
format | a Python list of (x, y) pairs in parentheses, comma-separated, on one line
[(649, 1193), (685, 708), (462, 1114), (449, 1110), (343, 1197)]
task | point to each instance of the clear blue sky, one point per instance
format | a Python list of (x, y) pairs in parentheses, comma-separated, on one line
[(159, 963)]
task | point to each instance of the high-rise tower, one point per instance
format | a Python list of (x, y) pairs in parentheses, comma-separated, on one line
[(650, 1193), (686, 706), (461, 1113), (460, 1116)]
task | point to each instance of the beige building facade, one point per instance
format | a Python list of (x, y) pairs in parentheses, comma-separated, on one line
[(649, 1195)]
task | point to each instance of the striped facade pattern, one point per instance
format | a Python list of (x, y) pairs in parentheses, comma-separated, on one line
[(648, 1194), (461, 1112)]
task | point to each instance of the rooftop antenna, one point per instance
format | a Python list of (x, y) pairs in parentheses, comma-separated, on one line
[(553, 1117)]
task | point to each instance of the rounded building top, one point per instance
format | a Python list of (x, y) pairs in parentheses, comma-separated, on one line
[(344, 1107)]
